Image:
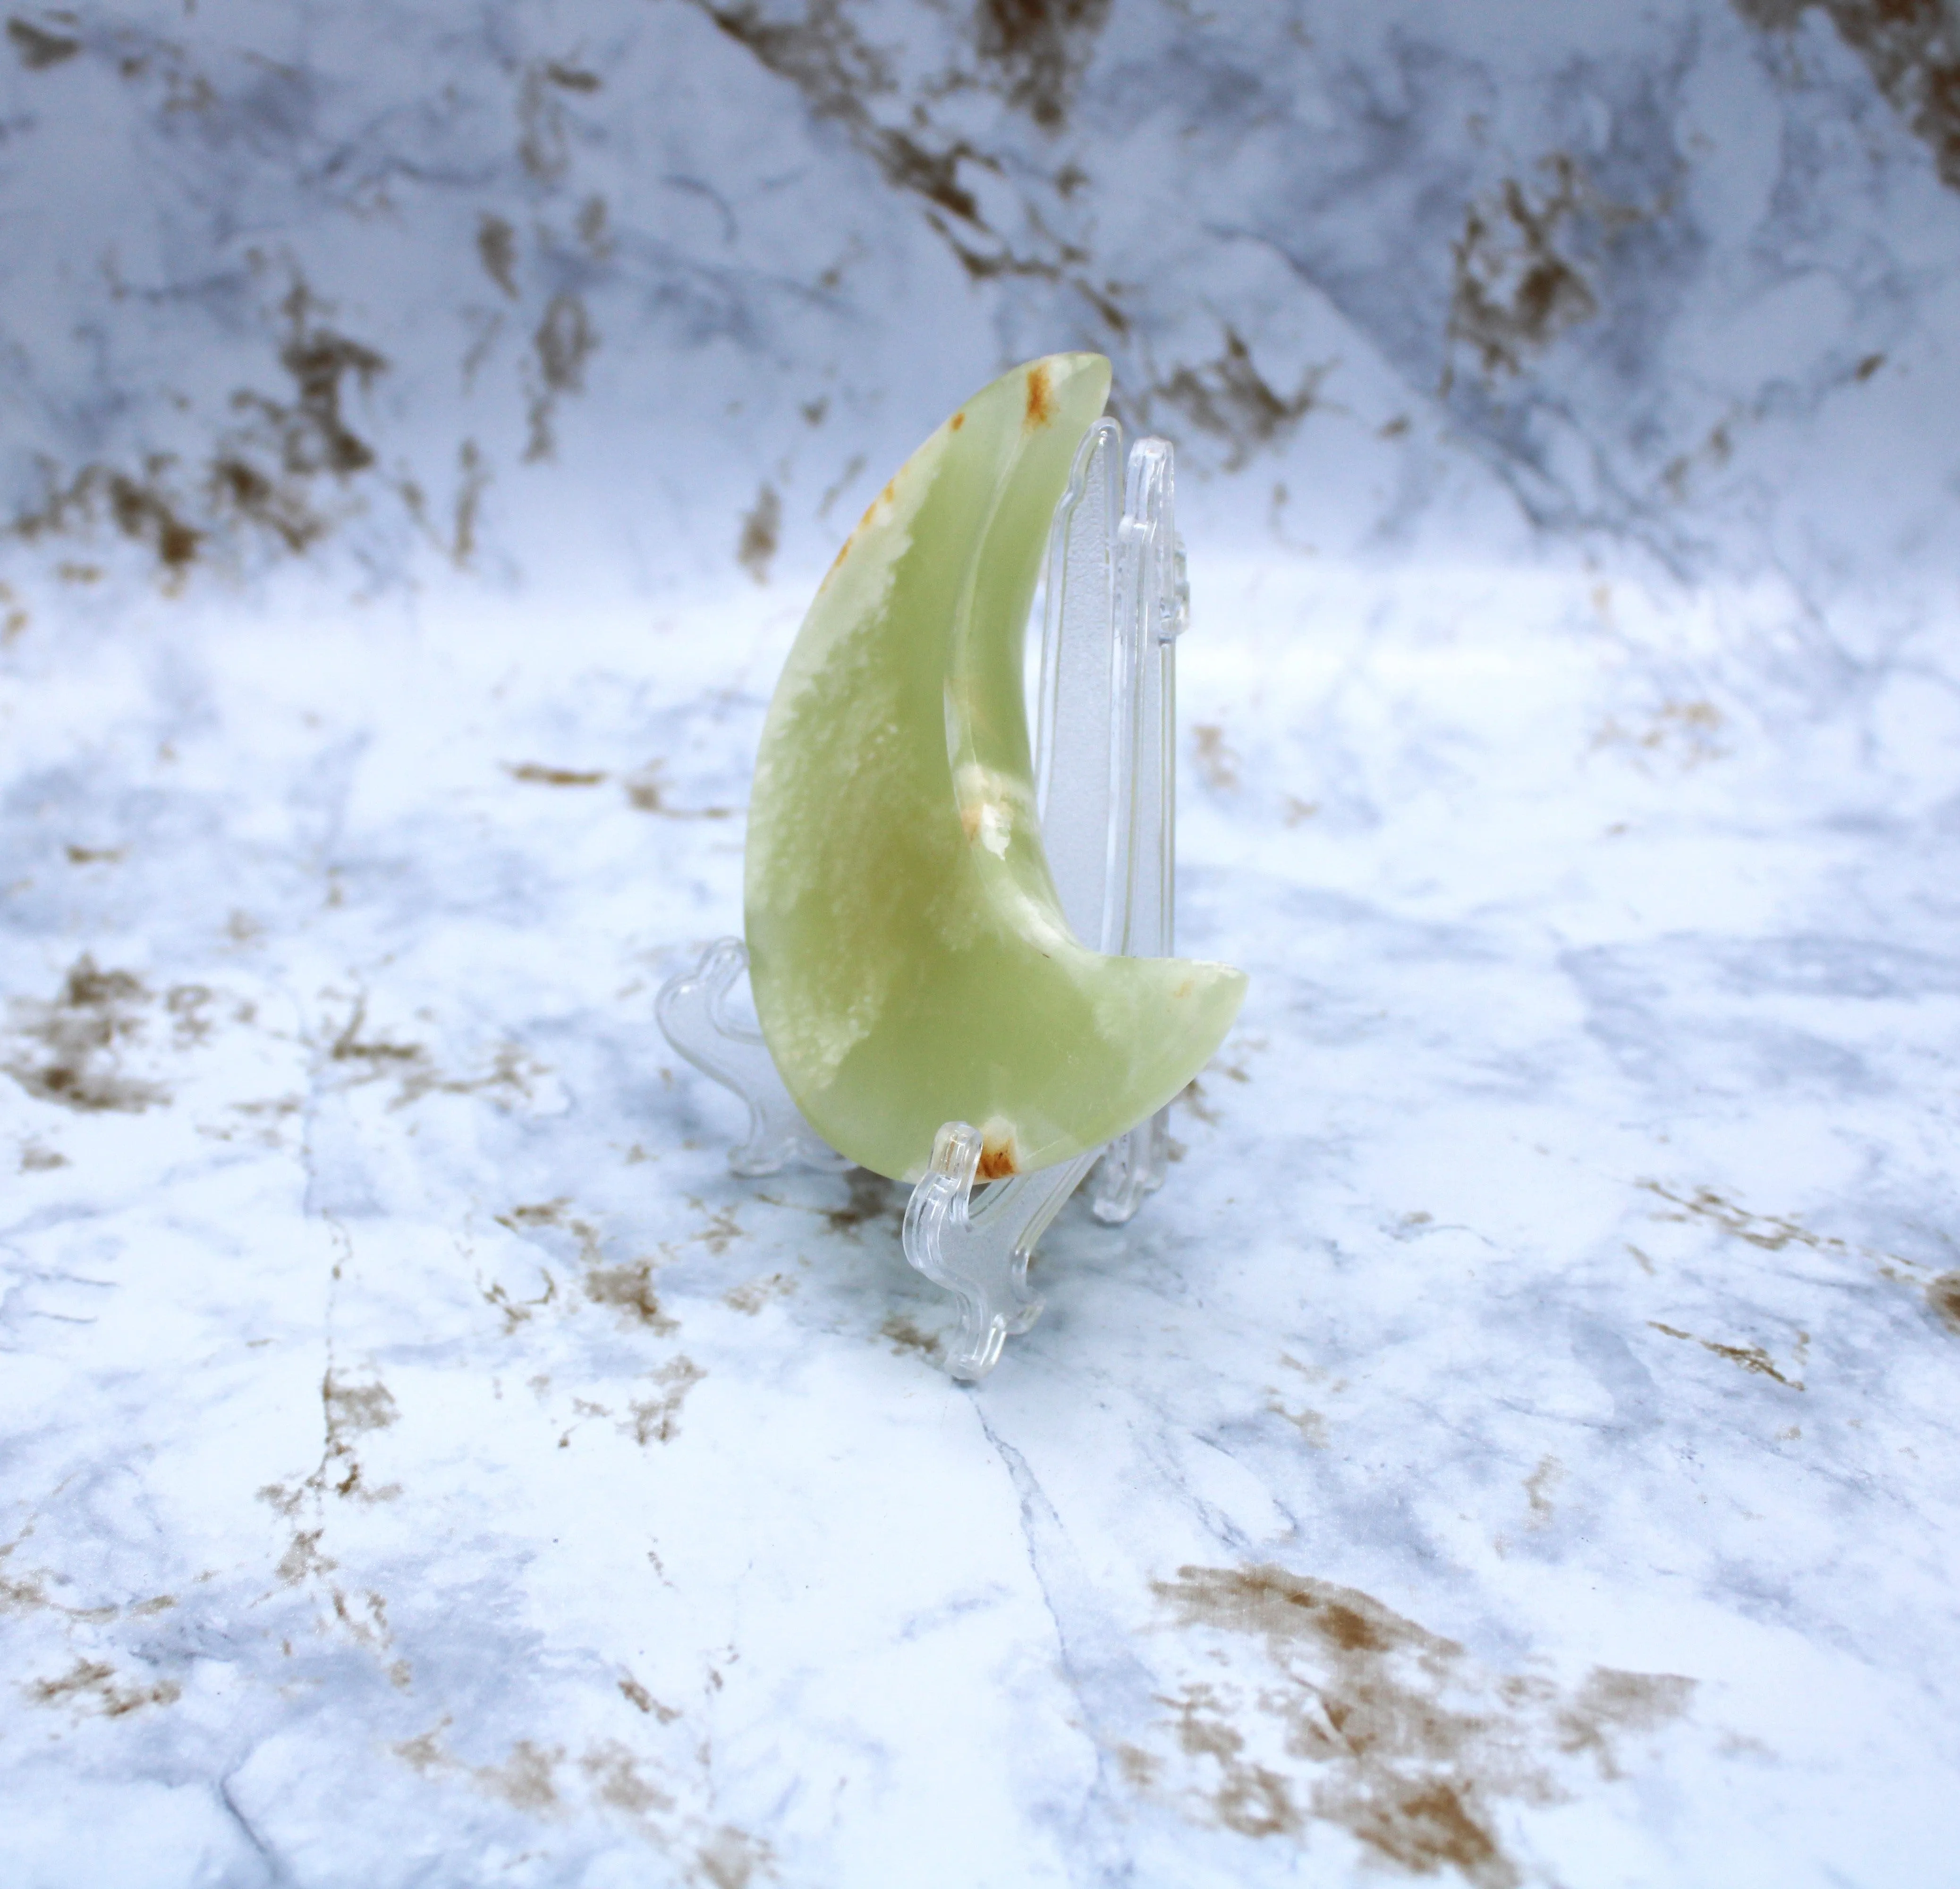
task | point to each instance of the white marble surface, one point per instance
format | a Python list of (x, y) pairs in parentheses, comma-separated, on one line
[(1517, 1448)]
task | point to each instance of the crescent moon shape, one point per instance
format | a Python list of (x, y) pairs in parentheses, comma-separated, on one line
[(909, 957)]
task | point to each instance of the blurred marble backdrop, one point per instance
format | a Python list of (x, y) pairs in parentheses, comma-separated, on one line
[(1519, 1446)]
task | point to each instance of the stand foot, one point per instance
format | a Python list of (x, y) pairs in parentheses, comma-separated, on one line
[(977, 1247), (1134, 1167), (692, 1009)]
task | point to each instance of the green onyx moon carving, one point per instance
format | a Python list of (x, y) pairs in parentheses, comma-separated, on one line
[(909, 957)]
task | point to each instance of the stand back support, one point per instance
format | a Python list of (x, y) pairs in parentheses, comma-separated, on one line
[(1114, 602)]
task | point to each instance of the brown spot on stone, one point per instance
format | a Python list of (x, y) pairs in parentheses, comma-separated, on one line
[(1943, 1295), (957, 421), (95, 856), (1040, 397), (40, 1161), (544, 776), (843, 551), (999, 1156)]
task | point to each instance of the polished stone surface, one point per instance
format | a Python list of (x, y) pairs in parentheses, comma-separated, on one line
[(1518, 1447)]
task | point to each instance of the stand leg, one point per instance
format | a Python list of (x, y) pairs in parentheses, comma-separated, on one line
[(978, 1248), (1133, 1167), (692, 1011)]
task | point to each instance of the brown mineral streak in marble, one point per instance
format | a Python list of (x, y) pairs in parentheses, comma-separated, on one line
[(524, 1779), (82, 1031), (1911, 48), (1229, 398), (1750, 1357), (657, 1419), (628, 1288), (762, 531), (616, 1780), (1770, 1232), (497, 249), (259, 473), (1407, 1774), (1040, 45), (88, 1682), (349, 1406), (1513, 292), (537, 773), (907, 1335), (872, 1197), (349, 1046), (1943, 1295), (38, 48)]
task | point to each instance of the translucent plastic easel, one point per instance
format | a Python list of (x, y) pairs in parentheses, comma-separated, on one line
[(1105, 782)]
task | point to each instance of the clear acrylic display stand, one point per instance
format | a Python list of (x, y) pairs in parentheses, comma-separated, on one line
[(1116, 601)]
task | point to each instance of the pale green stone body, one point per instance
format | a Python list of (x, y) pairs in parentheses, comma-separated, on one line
[(909, 957)]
